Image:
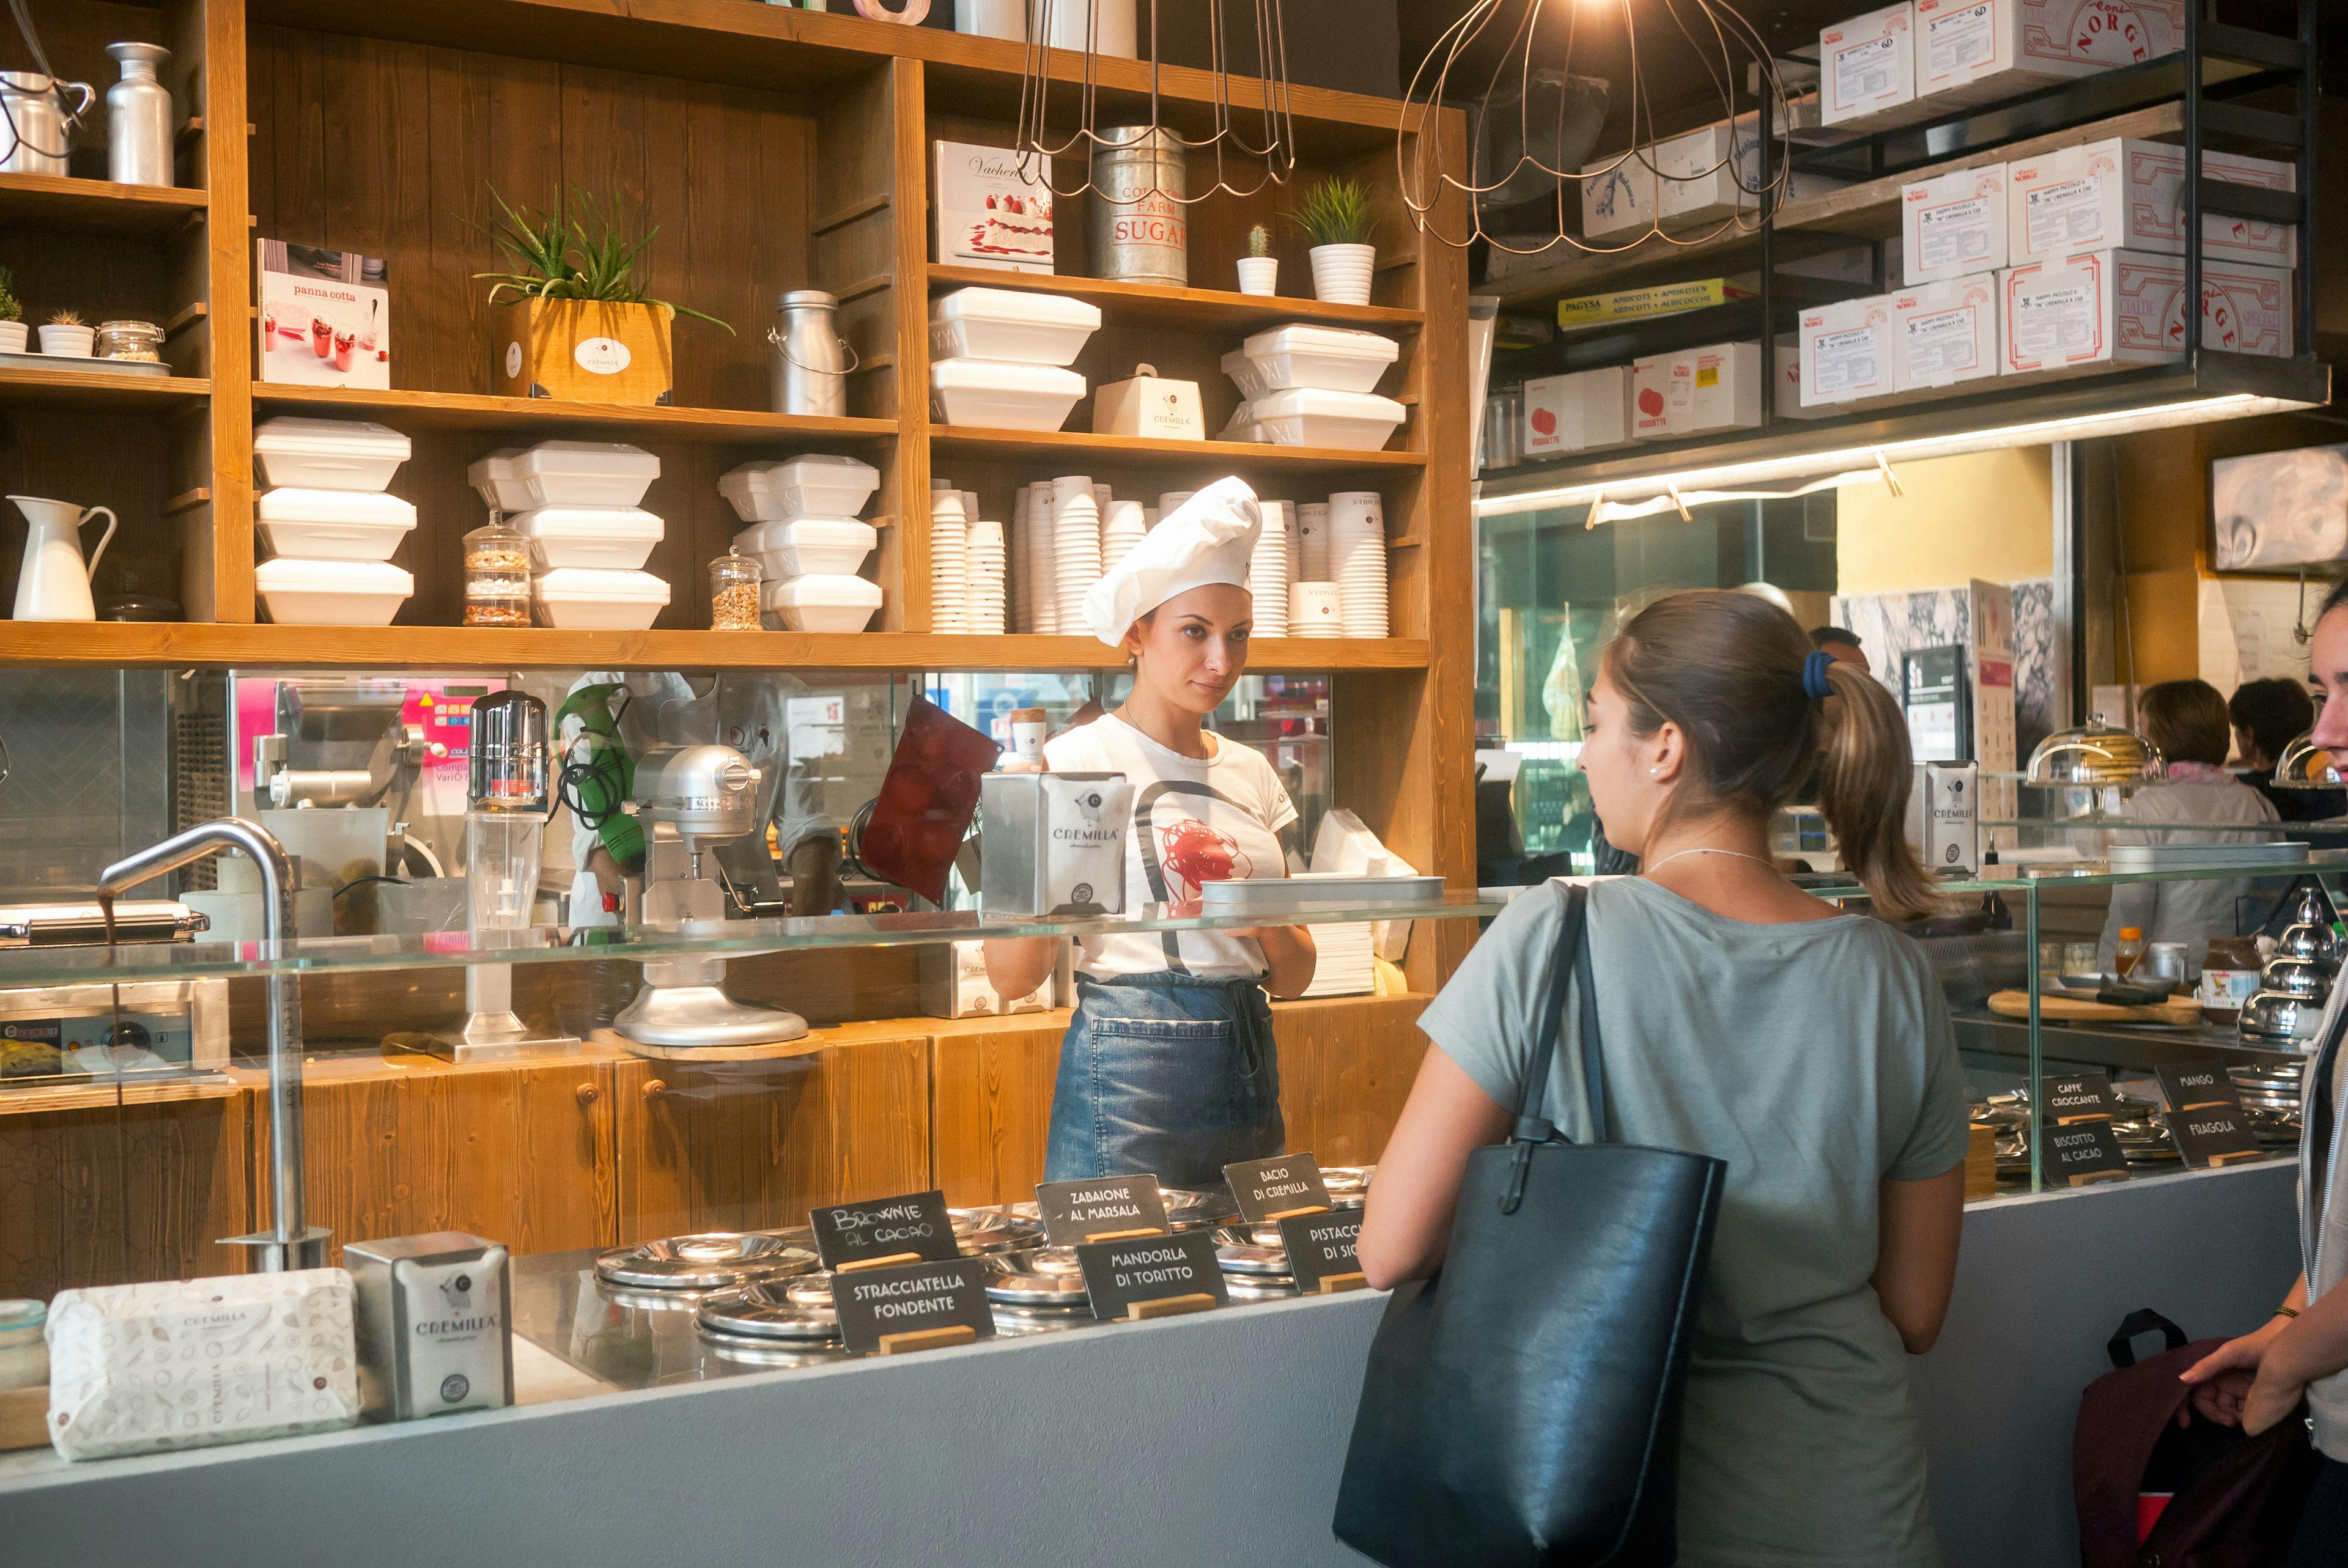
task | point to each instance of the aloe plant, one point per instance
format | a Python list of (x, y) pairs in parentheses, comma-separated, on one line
[(1335, 213), (576, 249), (10, 310)]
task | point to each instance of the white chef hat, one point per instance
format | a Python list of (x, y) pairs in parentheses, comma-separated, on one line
[(1207, 539)]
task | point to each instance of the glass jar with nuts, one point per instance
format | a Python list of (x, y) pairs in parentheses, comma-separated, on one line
[(498, 561), (734, 593)]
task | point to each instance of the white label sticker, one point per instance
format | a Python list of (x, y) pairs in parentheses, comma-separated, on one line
[(2067, 215), (1865, 72), (2054, 323), (602, 355), (1959, 42), (513, 361), (1955, 235), (1943, 346), (1845, 362)]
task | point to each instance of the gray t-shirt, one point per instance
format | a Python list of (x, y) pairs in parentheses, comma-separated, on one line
[(1816, 1059)]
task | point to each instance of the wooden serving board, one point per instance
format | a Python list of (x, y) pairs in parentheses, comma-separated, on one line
[(2184, 1013)]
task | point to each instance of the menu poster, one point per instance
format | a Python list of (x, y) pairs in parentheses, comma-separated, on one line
[(1105, 1208), (1154, 1276), (914, 1226), (914, 1306), (1321, 1251), (325, 317), (1273, 1189), (990, 213)]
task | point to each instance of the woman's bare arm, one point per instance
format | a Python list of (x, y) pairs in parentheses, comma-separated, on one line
[(1407, 1225), (1917, 1227), (1017, 965)]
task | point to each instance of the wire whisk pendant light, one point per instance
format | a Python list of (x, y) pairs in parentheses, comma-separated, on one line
[(1509, 146), (1265, 157)]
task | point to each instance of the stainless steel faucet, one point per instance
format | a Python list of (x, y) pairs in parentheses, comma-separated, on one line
[(291, 1242)]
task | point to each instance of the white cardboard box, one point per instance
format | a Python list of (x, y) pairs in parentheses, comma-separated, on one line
[(987, 213), (1868, 69), (1618, 195), (1602, 398), (1697, 181), (1847, 351), (1945, 333), (1955, 226), (1651, 395), (1975, 51), (1149, 405), (2124, 193), (1788, 398), (1716, 387), (2126, 307), (2104, 33), (1552, 418)]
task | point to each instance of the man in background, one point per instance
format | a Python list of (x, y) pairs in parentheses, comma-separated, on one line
[(1841, 644), (2267, 716)]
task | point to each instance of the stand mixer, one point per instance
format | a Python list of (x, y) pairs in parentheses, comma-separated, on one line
[(698, 797)]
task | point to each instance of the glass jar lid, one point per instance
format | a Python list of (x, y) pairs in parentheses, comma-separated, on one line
[(2095, 755), (2305, 765), (21, 1320)]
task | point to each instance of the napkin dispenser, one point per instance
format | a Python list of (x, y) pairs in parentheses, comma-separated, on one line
[(1053, 843), (435, 1318)]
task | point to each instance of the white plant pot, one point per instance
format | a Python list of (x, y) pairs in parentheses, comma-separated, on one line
[(1340, 273), (72, 343), (12, 337), (1258, 274)]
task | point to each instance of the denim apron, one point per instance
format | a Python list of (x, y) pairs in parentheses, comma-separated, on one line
[(1167, 1071)]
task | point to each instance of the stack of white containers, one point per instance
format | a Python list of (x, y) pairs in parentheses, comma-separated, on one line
[(1304, 385), (985, 561), (805, 537), (949, 559), (999, 357), (330, 528), (1125, 525), (580, 503), (1072, 515), (1268, 571), (1358, 561)]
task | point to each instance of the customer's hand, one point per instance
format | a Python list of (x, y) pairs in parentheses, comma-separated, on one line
[(2221, 1381), (2273, 1396)]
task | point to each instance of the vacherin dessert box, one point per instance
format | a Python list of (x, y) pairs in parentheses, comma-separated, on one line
[(989, 212)]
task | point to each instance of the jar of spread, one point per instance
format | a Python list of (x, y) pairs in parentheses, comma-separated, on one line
[(2230, 975)]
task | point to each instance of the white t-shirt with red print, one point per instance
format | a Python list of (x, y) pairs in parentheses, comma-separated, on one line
[(1193, 821)]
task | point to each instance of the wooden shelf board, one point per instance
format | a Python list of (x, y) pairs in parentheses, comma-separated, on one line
[(98, 389), (58, 201), (1180, 307), (173, 645), (471, 411), (1151, 451)]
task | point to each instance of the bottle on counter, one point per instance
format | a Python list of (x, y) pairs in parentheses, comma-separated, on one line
[(2229, 978), (2130, 952)]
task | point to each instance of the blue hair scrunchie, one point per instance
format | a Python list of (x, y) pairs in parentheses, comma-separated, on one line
[(1814, 676)]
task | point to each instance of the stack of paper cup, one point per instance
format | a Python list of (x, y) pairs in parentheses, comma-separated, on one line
[(949, 567), (1044, 593), (1267, 574), (1076, 548), (1023, 604), (1313, 611), (983, 573), (1357, 560), (1295, 549), (1121, 529), (1313, 542)]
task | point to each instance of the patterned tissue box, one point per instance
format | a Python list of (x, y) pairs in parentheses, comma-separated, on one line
[(134, 1368)]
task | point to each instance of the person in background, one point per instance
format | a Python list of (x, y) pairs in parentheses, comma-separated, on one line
[(2188, 721), (2300, 1352), (1841, 645), (2268, 716), (1744, 1019)]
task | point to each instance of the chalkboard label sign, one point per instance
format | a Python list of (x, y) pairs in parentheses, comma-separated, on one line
[(2209, 1135), (914, 1306), (2187, 1086), (912, 1227), (1166, 1273), (2077, 1096), (1273, 1189), (1320, 1250), (2082, 1152), (1107, 1207)]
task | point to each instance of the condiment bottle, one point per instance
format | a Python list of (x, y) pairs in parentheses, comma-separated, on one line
[(2230, 977), (734, 593), (2130, 949)]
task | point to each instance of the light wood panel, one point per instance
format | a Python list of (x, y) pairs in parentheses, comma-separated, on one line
[(993, 1080), (63, 201)]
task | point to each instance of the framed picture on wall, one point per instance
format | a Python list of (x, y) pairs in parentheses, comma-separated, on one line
[(2278, 509)]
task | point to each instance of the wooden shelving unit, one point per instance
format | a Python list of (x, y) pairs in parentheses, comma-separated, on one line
[(99, 206), (534, 417), (99, 389), (1181, 307), (1224, 457)]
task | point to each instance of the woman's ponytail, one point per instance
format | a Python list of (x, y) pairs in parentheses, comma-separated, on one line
[(1863, 790)]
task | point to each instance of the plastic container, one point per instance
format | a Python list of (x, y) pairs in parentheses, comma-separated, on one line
[(1331, 359), (830, 545), (585, 473), (497, 483), (619, 538), (1009, 326), (1308, 416), (498, 562), (328, 454), (734, 593), (584, 598), (24, 1352), (140, 341), (333, 525), (1003, 396), (301, 592), (810, 486), (822, 602), (1246, 374)]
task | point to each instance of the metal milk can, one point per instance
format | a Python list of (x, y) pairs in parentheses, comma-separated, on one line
[(138, 117), (811, 359), (33, 131), (1140, 229)]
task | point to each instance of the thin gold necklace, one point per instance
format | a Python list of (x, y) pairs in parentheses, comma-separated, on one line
[(1704, 849)]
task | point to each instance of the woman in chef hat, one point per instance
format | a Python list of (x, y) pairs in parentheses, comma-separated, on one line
[(1168, 1066)]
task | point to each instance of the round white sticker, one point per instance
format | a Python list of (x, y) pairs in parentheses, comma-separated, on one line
[(602, 355), (513, 361)]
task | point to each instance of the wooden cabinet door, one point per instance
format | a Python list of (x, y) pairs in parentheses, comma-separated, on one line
[(994, 1083), (1346, 1066)]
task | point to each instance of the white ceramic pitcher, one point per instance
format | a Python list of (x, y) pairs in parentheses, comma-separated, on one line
[(53, 583)]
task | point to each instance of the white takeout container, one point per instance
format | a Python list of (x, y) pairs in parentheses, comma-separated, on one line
[(585, 473), (822, 602), (1009, 325), (333, 525), (328, 454), (1332, 359), (811, 487), (589, 599), (305, 592), (827, 545), (499, 483), (619, 538), (1246, 374), (1004, 396), (1309, 416)]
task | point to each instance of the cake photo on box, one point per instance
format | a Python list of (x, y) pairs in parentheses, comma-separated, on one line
[(988, 213), (325, 317)]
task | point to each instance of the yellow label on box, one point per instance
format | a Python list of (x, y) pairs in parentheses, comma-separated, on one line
[(1708, 376)]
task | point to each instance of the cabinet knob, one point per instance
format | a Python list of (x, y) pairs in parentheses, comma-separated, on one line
[(586, 1094), (653, 1089)]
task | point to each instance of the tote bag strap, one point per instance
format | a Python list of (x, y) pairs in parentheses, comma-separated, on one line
[(1568, 968)]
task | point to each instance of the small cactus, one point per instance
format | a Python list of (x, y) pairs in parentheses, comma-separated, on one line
[(10, 311), (1258, 241), (66, 318)]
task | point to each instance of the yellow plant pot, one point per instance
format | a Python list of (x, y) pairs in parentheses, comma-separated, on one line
[(583, 351)]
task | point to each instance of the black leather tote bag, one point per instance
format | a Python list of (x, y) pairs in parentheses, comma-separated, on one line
[(1522, 1406)]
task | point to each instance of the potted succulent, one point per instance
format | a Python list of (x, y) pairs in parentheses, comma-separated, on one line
[(1259, 269), (573, 320), (1336, 215), (12, 315), (64, 335)]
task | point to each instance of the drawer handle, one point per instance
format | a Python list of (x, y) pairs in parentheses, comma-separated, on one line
[(586, 1094), (653, 1089)]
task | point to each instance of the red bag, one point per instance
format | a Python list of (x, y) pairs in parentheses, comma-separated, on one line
[(2151, 1494)]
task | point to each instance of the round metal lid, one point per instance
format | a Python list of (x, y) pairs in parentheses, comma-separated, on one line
[(774, 1352), (714, 1260), (810, 1290), (1188, 1210), (985, 1230), (766, 1312), (1011, 1320), (1348, 1186), (1045, 1277), (1240, 1254), (1258, 1286)]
